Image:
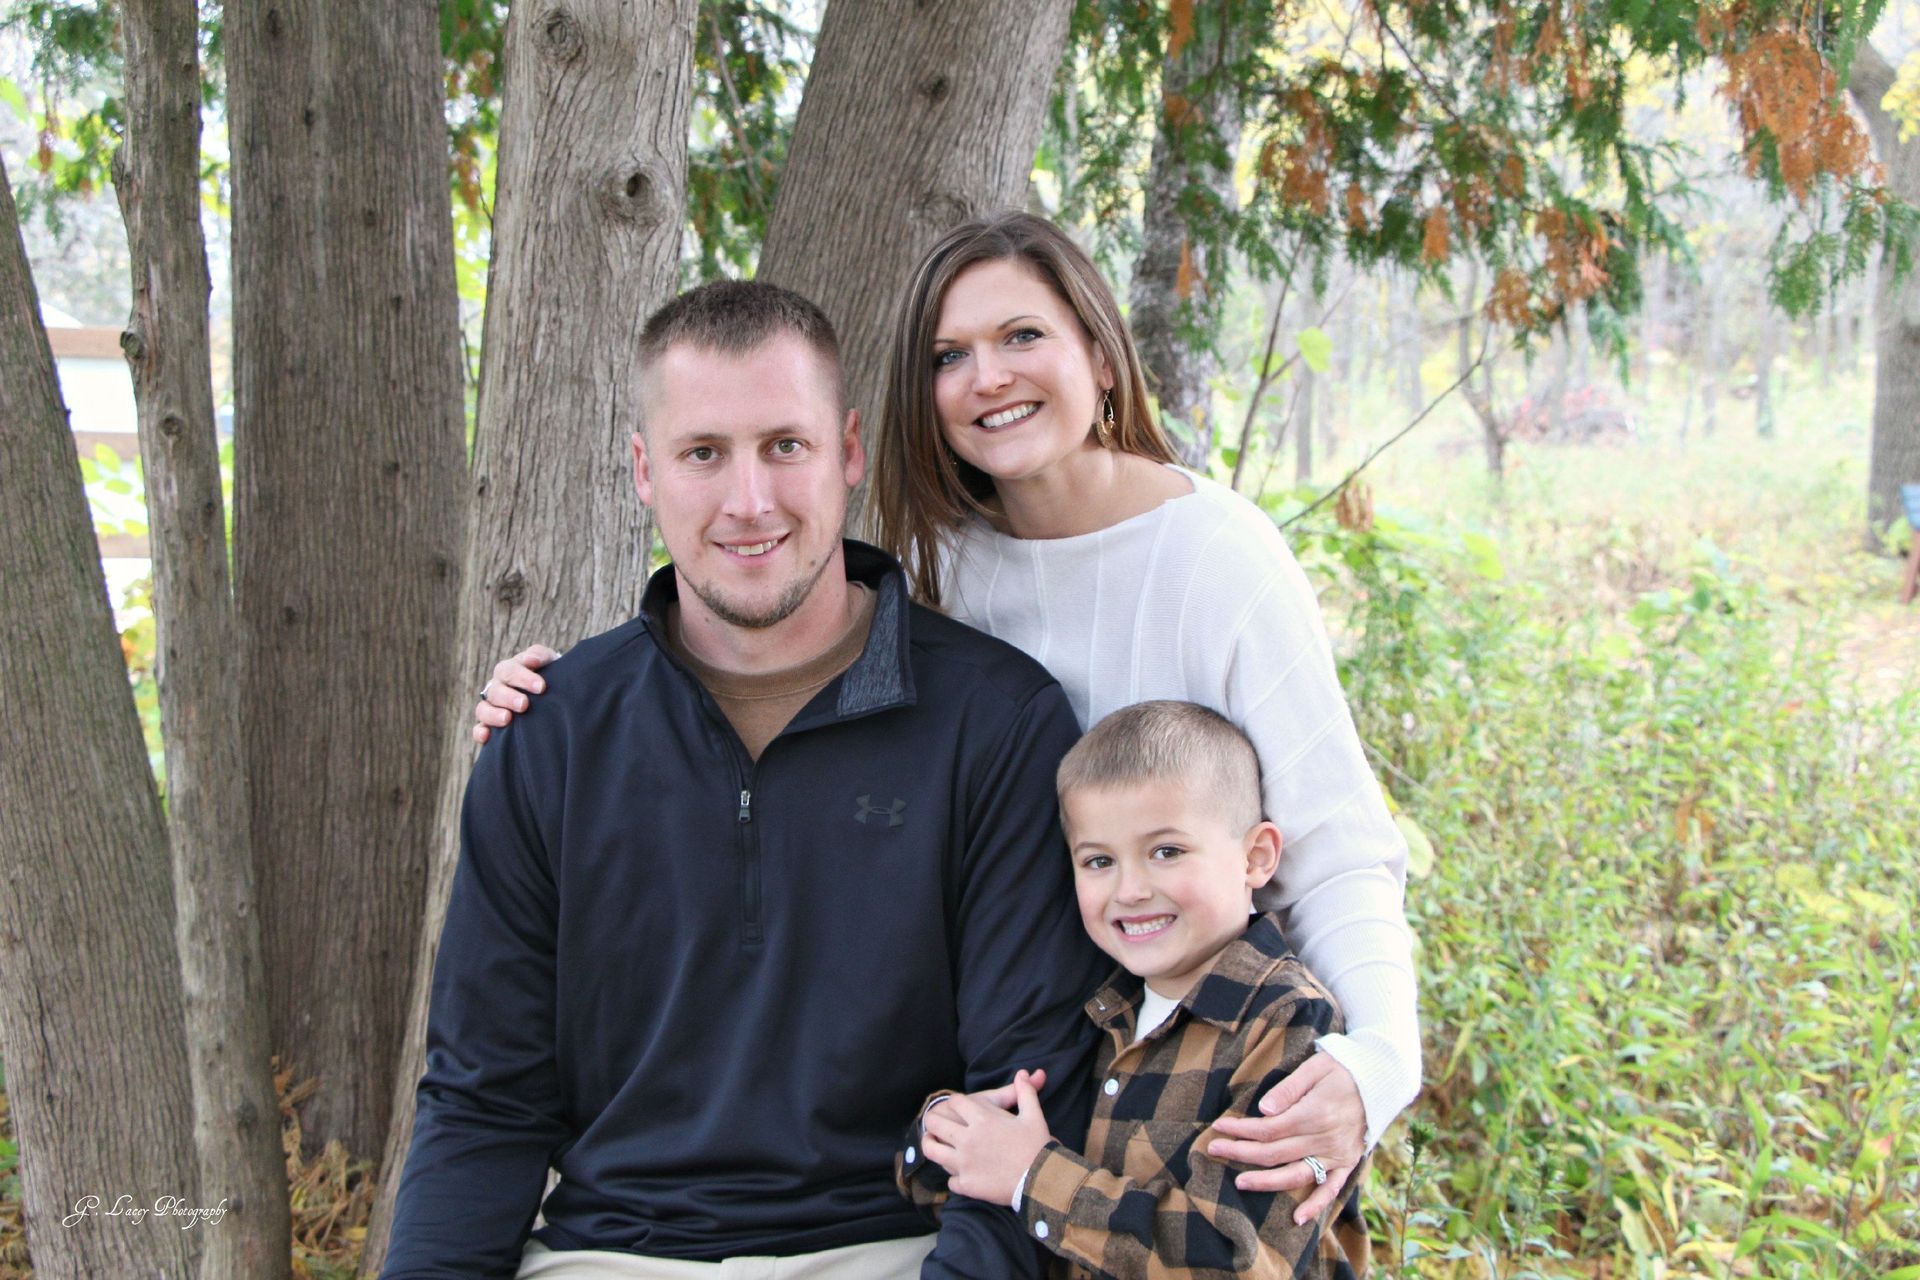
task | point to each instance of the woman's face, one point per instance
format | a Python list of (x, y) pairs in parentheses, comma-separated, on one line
[(1017, 382)]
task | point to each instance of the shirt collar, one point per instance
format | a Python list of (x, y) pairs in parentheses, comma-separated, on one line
[(882, 676), (1221, 996)]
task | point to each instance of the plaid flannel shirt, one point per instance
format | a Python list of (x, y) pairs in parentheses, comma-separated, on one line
[(1147, 1201)]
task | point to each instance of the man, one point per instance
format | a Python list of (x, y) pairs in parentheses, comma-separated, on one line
[(765, 866)]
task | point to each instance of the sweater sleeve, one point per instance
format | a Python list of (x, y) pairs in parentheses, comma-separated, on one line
[(1025, 969), (1187, 1221), (1340, 887), (489, 1110)]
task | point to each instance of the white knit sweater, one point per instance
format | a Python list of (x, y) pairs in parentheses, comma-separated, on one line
[(1200, 599)]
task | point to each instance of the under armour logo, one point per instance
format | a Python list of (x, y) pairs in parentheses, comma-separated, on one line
[(891, 813)]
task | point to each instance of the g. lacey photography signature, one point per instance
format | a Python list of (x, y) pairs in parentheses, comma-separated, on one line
[(125, 1210)]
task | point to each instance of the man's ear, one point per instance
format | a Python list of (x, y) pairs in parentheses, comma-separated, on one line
[(1263, 853), (851, 450), (642, 473)]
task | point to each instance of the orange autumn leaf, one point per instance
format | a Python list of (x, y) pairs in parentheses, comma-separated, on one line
[(1358, 210), (1179, 26), (1513, 176), (1436, 237), (1510, 301), (1780, 86), (1183, 282)]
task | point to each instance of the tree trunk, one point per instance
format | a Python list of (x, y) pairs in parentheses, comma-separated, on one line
[(348, 516), (236, 1120), (1560, 381), (586, 244), (1580, 334), (90, 1015), (916, 117), (1178, 270), (1708, 301), (1409, 347), (1894, 457), (1337, 399), (1821, 332), (1763, 374), (1303, 428), (1493, 437), (1367, 295), (1652, 308)]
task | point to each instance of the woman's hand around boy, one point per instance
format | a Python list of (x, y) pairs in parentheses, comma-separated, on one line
[(1315, 1112), (986, 1141)]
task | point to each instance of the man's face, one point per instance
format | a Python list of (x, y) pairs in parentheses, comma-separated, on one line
[(746, 462)]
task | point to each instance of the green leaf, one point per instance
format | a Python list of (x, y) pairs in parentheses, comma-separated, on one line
[(1419, 848), (1484, 555), (11, 95), (1316, 348)]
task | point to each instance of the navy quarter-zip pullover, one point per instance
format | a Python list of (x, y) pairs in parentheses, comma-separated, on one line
[(711, 992)]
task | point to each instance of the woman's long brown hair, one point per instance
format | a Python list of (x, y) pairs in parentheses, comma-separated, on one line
[(923, 492)]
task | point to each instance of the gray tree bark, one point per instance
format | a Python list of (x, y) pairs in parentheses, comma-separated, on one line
[(1479, 392), (586, 242), (348, 516), (1303, 425), (236, 1120), (1894, 456), (1409, 343), (1707, 304), (916, 117), (90, 1015), (1763, 357), (1200, 110)]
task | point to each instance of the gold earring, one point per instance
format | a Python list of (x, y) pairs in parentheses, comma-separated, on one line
[(1104, 426)]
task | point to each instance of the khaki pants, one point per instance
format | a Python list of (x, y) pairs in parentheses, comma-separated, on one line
[(883, 1260)]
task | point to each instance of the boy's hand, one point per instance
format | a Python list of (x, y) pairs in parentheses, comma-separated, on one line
[(985, 1150), (1003, 1097)]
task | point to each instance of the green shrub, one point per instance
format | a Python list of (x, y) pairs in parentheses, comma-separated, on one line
[(1670, 974)]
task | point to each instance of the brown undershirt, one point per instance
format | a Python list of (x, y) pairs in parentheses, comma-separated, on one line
[(759, 705)]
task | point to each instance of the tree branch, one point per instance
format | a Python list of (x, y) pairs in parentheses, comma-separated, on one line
[(1392, 440)]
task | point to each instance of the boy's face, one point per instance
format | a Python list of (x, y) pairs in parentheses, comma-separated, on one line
[(1164, 883)]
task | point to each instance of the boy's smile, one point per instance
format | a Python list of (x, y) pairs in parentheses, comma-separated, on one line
[(1164, 884)]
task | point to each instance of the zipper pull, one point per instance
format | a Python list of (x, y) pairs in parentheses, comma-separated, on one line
[(746, 806)]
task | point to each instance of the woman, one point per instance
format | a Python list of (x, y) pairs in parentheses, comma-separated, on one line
[(1021, 479)]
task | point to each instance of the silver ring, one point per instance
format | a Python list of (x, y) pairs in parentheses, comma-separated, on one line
[(1319, 1170)]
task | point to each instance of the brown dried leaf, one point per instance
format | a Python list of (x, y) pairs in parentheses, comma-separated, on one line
[(1435, 240), (1179, 26)]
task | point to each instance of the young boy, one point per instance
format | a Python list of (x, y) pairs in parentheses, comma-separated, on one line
[(1161, 804)]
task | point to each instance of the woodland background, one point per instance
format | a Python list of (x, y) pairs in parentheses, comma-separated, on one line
[(1573, 345)]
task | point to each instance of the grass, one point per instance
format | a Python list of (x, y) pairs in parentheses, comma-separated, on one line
[(1670, 974)]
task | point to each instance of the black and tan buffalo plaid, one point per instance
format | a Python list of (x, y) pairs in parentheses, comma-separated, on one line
[(1146, 1201)]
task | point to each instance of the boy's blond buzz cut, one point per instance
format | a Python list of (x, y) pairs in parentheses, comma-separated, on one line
[(1165, 741)]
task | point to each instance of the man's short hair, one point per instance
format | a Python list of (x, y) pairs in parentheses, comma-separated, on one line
[(1167, 741), (734, 317)]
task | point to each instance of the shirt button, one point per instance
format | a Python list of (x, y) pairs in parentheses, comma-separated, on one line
[(1040, 1230), (1111, 1087), (910, 1155)]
